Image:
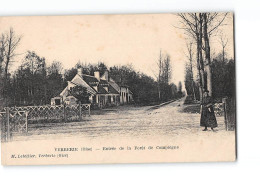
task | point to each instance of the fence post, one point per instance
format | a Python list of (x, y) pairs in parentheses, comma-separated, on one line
[(8, 123), (26, 121), (64, 113), (3, 127), (80, 114), (89, 110), (224, 101)]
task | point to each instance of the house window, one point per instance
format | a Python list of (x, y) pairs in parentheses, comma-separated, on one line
[(57, 102)]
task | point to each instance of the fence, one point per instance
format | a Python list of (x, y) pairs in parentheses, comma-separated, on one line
[(227, 109), (230, 113), (16, 119), (219, 109), (13, 122)]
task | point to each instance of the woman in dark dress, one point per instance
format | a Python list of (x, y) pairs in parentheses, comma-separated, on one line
[(208, 118)]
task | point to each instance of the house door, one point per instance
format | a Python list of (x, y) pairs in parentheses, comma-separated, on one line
[(109, 99), (94, 100)]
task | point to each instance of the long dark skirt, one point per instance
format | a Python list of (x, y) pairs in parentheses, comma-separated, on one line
[(208, 119)]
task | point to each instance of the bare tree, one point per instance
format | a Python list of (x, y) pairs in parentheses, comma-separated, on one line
[(2, 49), (207, 53), (192, 25), (190, 57), (55, 68), (163, 73), (167, 69), (200, 26), (9, 43), (211, 22), (223, 42), (159, 76)]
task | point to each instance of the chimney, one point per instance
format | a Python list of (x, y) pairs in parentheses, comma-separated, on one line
[(80, 71), (97, 75), (106, 75)]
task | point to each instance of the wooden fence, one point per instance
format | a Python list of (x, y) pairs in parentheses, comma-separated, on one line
[(16, 119), (230, 113), (227, 109)]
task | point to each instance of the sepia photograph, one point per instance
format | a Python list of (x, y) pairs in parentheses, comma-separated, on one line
[(133, 88)]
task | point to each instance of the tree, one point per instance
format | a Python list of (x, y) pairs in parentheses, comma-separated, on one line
[(192, 25), (223, 75), (8, 45), (189, 70), (200, 26), (159, 76), (54, 80), (163, 75), (80, 93), (167, 69), (34, 68), (55, 68), (210, 20), (179, 86), (223, 42)]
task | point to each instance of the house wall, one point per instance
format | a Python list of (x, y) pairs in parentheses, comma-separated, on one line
[(125, 95), (78, 80), (130, 97)]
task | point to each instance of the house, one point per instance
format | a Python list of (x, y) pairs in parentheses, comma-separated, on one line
[(102, 90)]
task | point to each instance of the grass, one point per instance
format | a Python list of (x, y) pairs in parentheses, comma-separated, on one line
[(194, 109)]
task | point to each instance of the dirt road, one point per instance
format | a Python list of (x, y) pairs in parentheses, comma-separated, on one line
[(137, 127), (140, 122)]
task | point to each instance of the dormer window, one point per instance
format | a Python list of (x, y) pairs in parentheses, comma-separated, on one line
[(95, 87)]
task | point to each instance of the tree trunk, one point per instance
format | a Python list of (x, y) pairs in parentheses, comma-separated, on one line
[(207, 53), (200, 63), (159, 76), (191, 69)]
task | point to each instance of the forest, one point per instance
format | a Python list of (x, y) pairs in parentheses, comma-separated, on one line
[(34, 82)]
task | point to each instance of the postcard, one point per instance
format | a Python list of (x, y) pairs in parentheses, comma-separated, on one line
[(132, 88)]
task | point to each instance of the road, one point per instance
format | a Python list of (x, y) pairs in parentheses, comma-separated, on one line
[(141, 122), (128, 126)]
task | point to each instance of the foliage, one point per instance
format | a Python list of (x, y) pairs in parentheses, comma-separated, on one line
[(189, 84), (80, 93), (223, 76), (33, 83), (223, 79)]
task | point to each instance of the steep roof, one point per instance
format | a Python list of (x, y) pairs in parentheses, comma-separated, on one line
[(101, 90), (91, 80), (112, 90), (103, 82)]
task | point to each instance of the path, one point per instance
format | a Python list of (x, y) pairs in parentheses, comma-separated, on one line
[(128, 122)]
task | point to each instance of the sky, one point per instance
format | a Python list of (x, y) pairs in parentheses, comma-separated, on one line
[(112, 39)]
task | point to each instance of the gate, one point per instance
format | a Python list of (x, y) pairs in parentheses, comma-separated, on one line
[(228, 110), (230, 113), (13, 121)]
